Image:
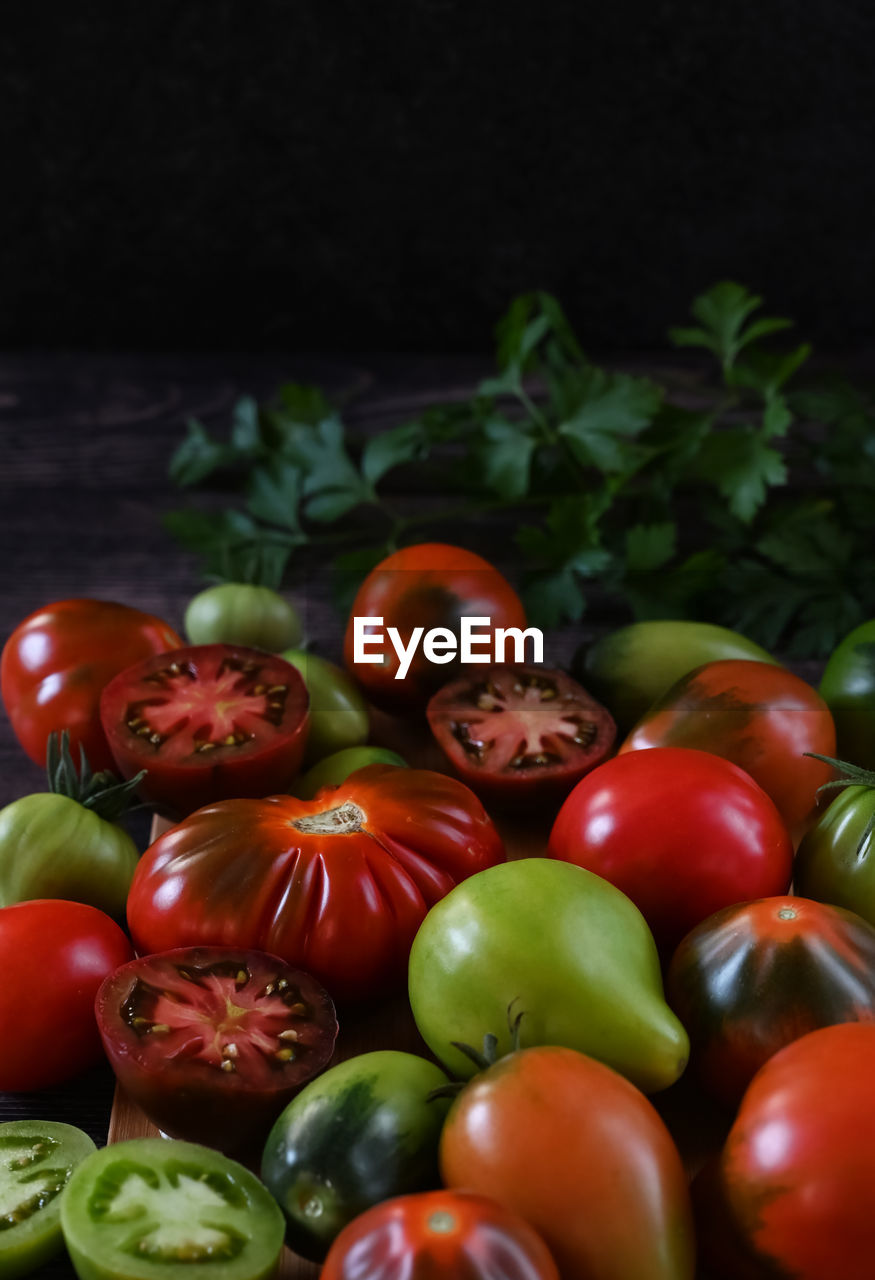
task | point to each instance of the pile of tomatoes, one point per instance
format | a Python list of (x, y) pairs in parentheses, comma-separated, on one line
[(681, 781)]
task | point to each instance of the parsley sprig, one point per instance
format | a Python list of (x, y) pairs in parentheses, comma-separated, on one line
[(740, 497)]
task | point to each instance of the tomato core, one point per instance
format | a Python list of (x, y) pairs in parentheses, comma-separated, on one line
[(343, 820)]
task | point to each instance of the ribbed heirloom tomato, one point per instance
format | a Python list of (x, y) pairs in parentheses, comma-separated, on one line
[(57, 661), (337, 885)]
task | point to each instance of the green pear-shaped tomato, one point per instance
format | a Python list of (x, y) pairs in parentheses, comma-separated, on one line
[(848, 688), (338, 713), (242, 613), (630, 668), (336, 768), (567, 951)]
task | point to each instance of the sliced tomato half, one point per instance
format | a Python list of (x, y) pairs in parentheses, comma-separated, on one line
[(209, 722), (213, 1042), (520, 734)]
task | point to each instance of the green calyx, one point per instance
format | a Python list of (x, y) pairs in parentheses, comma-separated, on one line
[(850, 775), (104, 793), (483, 1058)]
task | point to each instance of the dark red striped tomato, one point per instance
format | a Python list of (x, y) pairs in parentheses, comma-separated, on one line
[(761, 717), (754, 977)]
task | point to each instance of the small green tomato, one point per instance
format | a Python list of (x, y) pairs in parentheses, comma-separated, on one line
[(242, 613), (336, 768), (338, 713)]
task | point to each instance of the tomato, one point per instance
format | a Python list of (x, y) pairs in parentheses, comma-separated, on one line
[(848, 688), (57, 661), (37, 1159), (242, 613), (54, 955), (520, 735), (799, 1162), (836, 860), (337, 885), (364, 1131), (578, 1152), (439, 1233), (206, 723), (682, 832), (332, 770), (429, 586), (338, 712), (159, 1207), (753, 977), (759, 716), (565, 950), (633, 666), (207, 1032)]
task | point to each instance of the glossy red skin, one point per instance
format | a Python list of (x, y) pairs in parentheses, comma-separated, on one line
[(754, 977), (178, 778), (683, 833), (57, 661), (798, 1165), (181, 1086), (439, 1234), (580, 1153), (54, 955), (428, 585), (761, 717), (550, 727), (343, 906)]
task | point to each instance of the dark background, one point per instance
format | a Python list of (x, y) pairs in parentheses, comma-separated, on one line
[(322, 174)]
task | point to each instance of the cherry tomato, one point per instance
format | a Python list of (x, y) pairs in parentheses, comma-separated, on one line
[(578, 1152), (337, 885), (449, 1233), (57, 661), (207, 722), (798, 1166), (753, 977), (55, 954), (206, 1032), (681, 832), (242, 613), (761, 717), (430, 585), (836, 860), (520, 735)]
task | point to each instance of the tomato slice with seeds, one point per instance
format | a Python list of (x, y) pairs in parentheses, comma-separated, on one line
[(213, 1042), (208, 722), (515, 734)]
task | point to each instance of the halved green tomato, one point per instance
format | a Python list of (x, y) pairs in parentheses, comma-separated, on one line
[(37, 1159), (159, 1207)]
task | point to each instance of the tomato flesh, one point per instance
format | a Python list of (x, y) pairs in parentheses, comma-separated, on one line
[(515, 732), (212, 1043), (207, 722)]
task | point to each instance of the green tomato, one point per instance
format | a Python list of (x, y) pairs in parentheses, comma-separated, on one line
[(338, 712), (37, 1159), (242, 613), (335, 769), (53, 847), (835, 862), (159, 1207), (631, 667), (361, 1132), (848, 689), (558, 945)]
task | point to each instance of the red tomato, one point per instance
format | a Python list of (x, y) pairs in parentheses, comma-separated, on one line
[(761, 717), (54, 955), (57, 661), (520, 735), (430, 585), (682, 833), (439, 1233), (203, 1032), (208, 722), (579, 1152), (753, 977), (337, 885), (798, 1166)]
